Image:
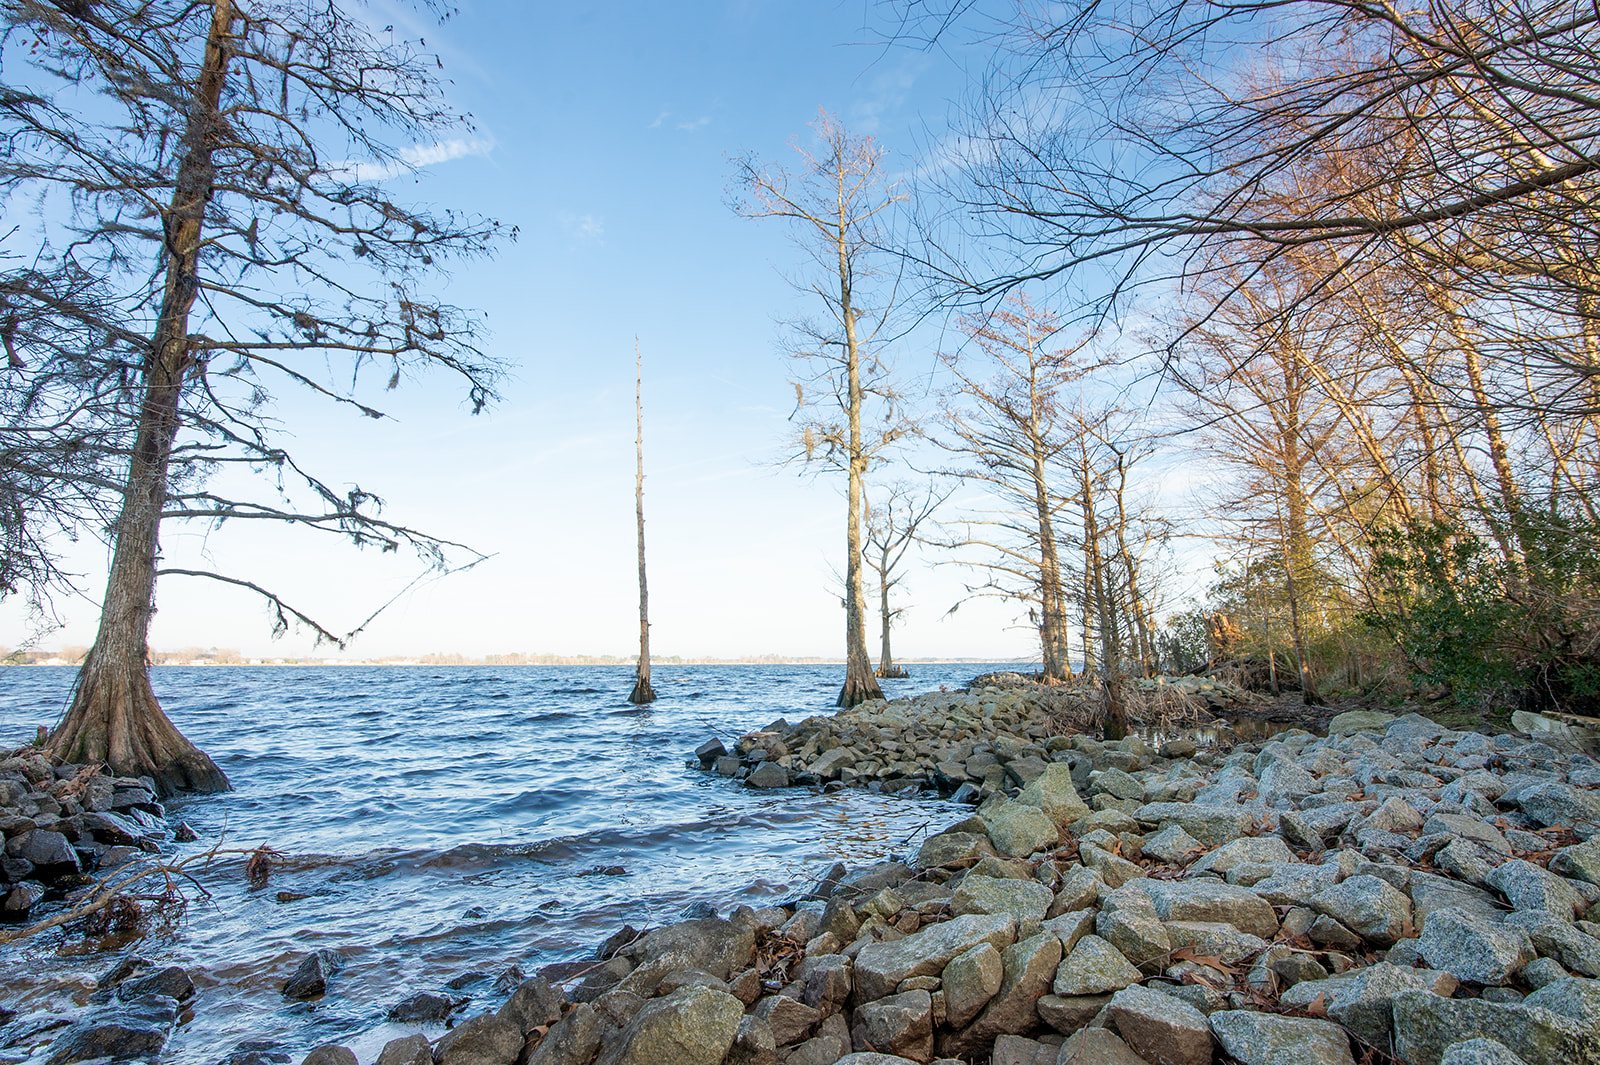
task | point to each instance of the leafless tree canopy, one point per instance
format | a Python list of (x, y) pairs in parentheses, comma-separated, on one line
[(304, 255), (198, 218)]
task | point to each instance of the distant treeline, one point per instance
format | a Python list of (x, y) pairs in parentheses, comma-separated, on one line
[(212, 656)]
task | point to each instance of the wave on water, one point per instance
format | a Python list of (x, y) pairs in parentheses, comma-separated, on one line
[(433, 827)]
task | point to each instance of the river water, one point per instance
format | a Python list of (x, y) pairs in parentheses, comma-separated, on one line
[(444, 821)]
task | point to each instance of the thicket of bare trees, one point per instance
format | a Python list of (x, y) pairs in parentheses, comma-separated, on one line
[(1370, 233), (212, 227)]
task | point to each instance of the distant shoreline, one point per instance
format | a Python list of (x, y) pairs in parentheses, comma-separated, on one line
[(435, 661)]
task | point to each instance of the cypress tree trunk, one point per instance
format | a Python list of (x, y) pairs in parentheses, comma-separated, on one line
[(886, 666), (859, 683), (642, 692), (115, 717)]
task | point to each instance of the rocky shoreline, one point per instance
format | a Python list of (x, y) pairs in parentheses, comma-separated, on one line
[(1393, 891), (62, 822)]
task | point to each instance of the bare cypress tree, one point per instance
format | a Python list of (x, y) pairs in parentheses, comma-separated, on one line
[(642, 692), (226, 194), (891, 529), (1006, 426), (835, 203)]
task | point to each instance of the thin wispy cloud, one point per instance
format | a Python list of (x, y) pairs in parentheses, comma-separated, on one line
[(662, 117), (583, 226), (695, 126), (416, 156)]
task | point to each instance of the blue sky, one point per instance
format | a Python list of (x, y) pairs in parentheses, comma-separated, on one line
[(604, 134)]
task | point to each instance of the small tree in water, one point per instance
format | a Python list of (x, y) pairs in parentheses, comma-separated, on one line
[(891, 530), (222, 190), (835, 203), (642, 692)]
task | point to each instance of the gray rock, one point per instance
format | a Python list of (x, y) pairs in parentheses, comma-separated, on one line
[(1079, 890), (953, 849), (825, 982), (21, 899), (1541, 972), (619, 1006), (1268, 1039), (1472, 949), (829, 763), (1430, 892), (1479, 1052), (1094, 967), (310, 977), (692, 1026), (406, 1050), (1173, 845), (1024, 900), (424, 1006), (1137, 932), (753, 1044), (1017, 829), (1053, 793), (969, 981), (1097, 1046), (1554, 803), (1068, 1014), (1283, 780), (109, 1037), (1203, 900), (1071, 927), (535, 1002), (1468, 860), (900, 1024), (1266, 850), (481, 1040), (573, 1039), (1211, 825), (1364, 1001), (1555, 938), (50, 852), (1468, 828), (879, 967), (330, 1054), (1294, 885), (708, 943), (789, 1020), (1119, 785), (1368, 906), (1019, 1050), (1528, 887), (1115, 871), (1357, 721), (768, 775), (1029, 968), (1394, 815), (1214, 939), (1298, 831), (1426, 1024), (1579, 862), (1161, 1029), (1574, 998), (172, 981)]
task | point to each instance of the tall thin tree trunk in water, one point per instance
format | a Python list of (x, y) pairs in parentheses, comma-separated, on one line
[(115, 717), (886, 666), (642, 692), (859, 683)]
